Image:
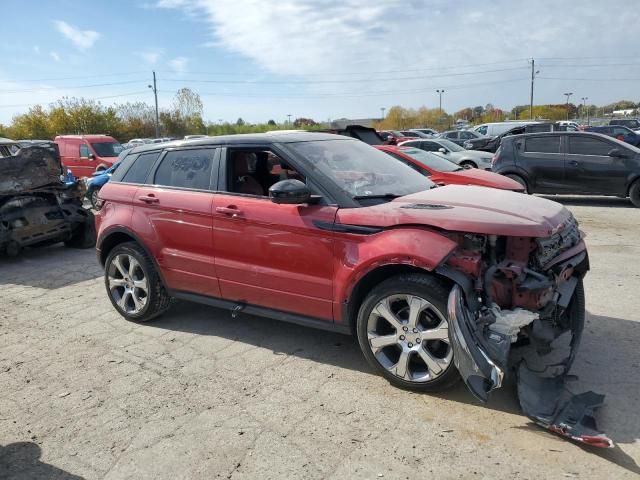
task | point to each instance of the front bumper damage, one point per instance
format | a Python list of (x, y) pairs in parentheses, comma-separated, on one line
[(540, 358)]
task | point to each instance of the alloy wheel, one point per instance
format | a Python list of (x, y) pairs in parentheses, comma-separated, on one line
[(128, 284), (409, 337)]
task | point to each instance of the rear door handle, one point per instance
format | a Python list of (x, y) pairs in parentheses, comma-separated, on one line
[(573, 163), (149, 199), (233, 212)]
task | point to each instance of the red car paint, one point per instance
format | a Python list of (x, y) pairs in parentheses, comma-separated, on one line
[(79, 153), (393, 137), (470, 176)]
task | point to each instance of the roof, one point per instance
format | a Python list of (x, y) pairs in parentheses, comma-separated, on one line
[(6, 140), (246, 138), (538, 134), (86, 137)]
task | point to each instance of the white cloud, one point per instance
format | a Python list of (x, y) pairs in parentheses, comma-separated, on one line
[(82, 39), (55, 56), (151, 56), (179, 64)]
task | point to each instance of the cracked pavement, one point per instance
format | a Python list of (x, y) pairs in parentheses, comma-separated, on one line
[(197, 394)]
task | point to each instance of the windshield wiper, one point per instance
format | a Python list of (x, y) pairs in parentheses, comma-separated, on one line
[(389, 196)]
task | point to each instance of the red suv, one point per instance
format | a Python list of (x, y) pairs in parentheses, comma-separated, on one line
[(326, 231)]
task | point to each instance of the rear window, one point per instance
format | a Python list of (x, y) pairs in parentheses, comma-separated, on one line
[(186, 169), (542, 145), (579, 145), (140, 169)]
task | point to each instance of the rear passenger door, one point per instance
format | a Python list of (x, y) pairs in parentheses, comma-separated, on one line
[(590, 169), (173, 214), (542, 158)]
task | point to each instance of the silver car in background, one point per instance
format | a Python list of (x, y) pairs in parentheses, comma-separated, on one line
[(452, 152)]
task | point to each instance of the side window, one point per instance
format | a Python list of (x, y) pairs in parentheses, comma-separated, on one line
[(482, 130), (84, 151), (619, 131), (139, 170), (412, 165), (253, 171), (466, 135), (452, 135), (186, 169), (542, 145), (430, 146), (579, 145)]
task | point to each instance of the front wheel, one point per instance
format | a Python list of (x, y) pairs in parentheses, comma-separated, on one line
[(133, 284), (93, 197), (403, 332), (634, 193), (468, 164)]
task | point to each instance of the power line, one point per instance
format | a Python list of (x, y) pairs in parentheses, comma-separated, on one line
[(593, 79), (44, 89), (53, 79)]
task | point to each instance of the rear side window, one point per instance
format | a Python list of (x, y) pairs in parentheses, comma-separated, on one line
[(579, 145), (410, 164), (186, 169), (542, 145), (140, 169), (430, 146)]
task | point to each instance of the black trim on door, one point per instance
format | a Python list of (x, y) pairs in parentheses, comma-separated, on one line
[(346, 228)]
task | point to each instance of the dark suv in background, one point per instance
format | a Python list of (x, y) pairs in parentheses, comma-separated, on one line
[(632, 123), (624, 134), (491, 144), (571, 163)]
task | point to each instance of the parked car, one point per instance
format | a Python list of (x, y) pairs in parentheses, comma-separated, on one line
[(453, 152), (192, 137), (496, 128), (491, 144), (579, 163), (394, 137), (426, 131), (37, 205), (459, 137), (430, 280), (632, 123), (99, 179), (444, 172), (8, 147), (366, 134), (624, 134), (86, 154), (414, 134)]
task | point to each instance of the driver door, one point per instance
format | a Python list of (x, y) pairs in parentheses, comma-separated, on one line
[(267, 254)]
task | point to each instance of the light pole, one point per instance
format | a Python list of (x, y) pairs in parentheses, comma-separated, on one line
[(154, 87), (568, 95), (289, 117), (534, 72), (584, 106), (440, 92), (382, 109)]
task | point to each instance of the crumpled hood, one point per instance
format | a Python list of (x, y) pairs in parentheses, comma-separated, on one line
[(465, 209)]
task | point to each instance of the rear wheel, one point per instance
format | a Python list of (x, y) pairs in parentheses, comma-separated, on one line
[(520, 180), (634, 193), (403, 332), (133, 284), (93, 197), (468, 164)]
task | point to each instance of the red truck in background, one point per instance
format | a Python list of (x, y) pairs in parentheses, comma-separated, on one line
[(85, 154)]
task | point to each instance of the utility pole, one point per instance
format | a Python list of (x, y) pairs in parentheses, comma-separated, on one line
[(154, 87), (533, 77), (568, 95), (289, 117), (584, 105), (382, 109)]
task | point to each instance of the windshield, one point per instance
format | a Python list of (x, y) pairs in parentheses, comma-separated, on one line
[(361, 170), (430, 160), (449, 145), (107, 149)]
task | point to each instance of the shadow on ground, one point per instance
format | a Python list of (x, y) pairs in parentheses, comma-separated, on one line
[(50, 267), (21, 460), (598, 371), (587, 201)]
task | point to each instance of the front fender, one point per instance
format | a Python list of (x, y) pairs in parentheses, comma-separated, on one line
[(358, 255)]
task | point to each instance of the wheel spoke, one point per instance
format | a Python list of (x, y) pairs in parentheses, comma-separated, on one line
[(380, 341), (141, 284), (137, 301), (402, 367), (117, 262), (441, 332), (122, 302), (116, 282), (435, 365), (382, 310), (416, 306), (133, 264)]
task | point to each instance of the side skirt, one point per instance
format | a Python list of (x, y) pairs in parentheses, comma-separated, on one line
[(236, 308)]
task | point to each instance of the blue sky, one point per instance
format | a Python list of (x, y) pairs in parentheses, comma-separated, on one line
[(262, 59)]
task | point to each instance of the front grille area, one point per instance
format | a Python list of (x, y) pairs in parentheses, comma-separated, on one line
[(551, 247)]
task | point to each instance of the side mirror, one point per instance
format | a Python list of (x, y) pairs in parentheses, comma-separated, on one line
[(91, 156), (442, 150), (615, 153), (290, 192)]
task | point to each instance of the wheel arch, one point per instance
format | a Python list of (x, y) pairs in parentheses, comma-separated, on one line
[(634, 179)]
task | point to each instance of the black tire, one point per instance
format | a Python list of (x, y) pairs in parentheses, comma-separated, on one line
[(520, 180), (157, 301), (427, 287), (634, 193), (468, 164), (92, 194), (84, 235)]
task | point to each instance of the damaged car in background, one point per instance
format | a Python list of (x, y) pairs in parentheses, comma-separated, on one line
[(437, 283), (37, 207)]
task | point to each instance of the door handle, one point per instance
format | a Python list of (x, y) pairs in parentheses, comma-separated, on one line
[(232, 211), (149, 199), (573, 163)]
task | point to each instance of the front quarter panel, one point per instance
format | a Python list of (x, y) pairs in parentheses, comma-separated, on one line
[(357, 255)]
